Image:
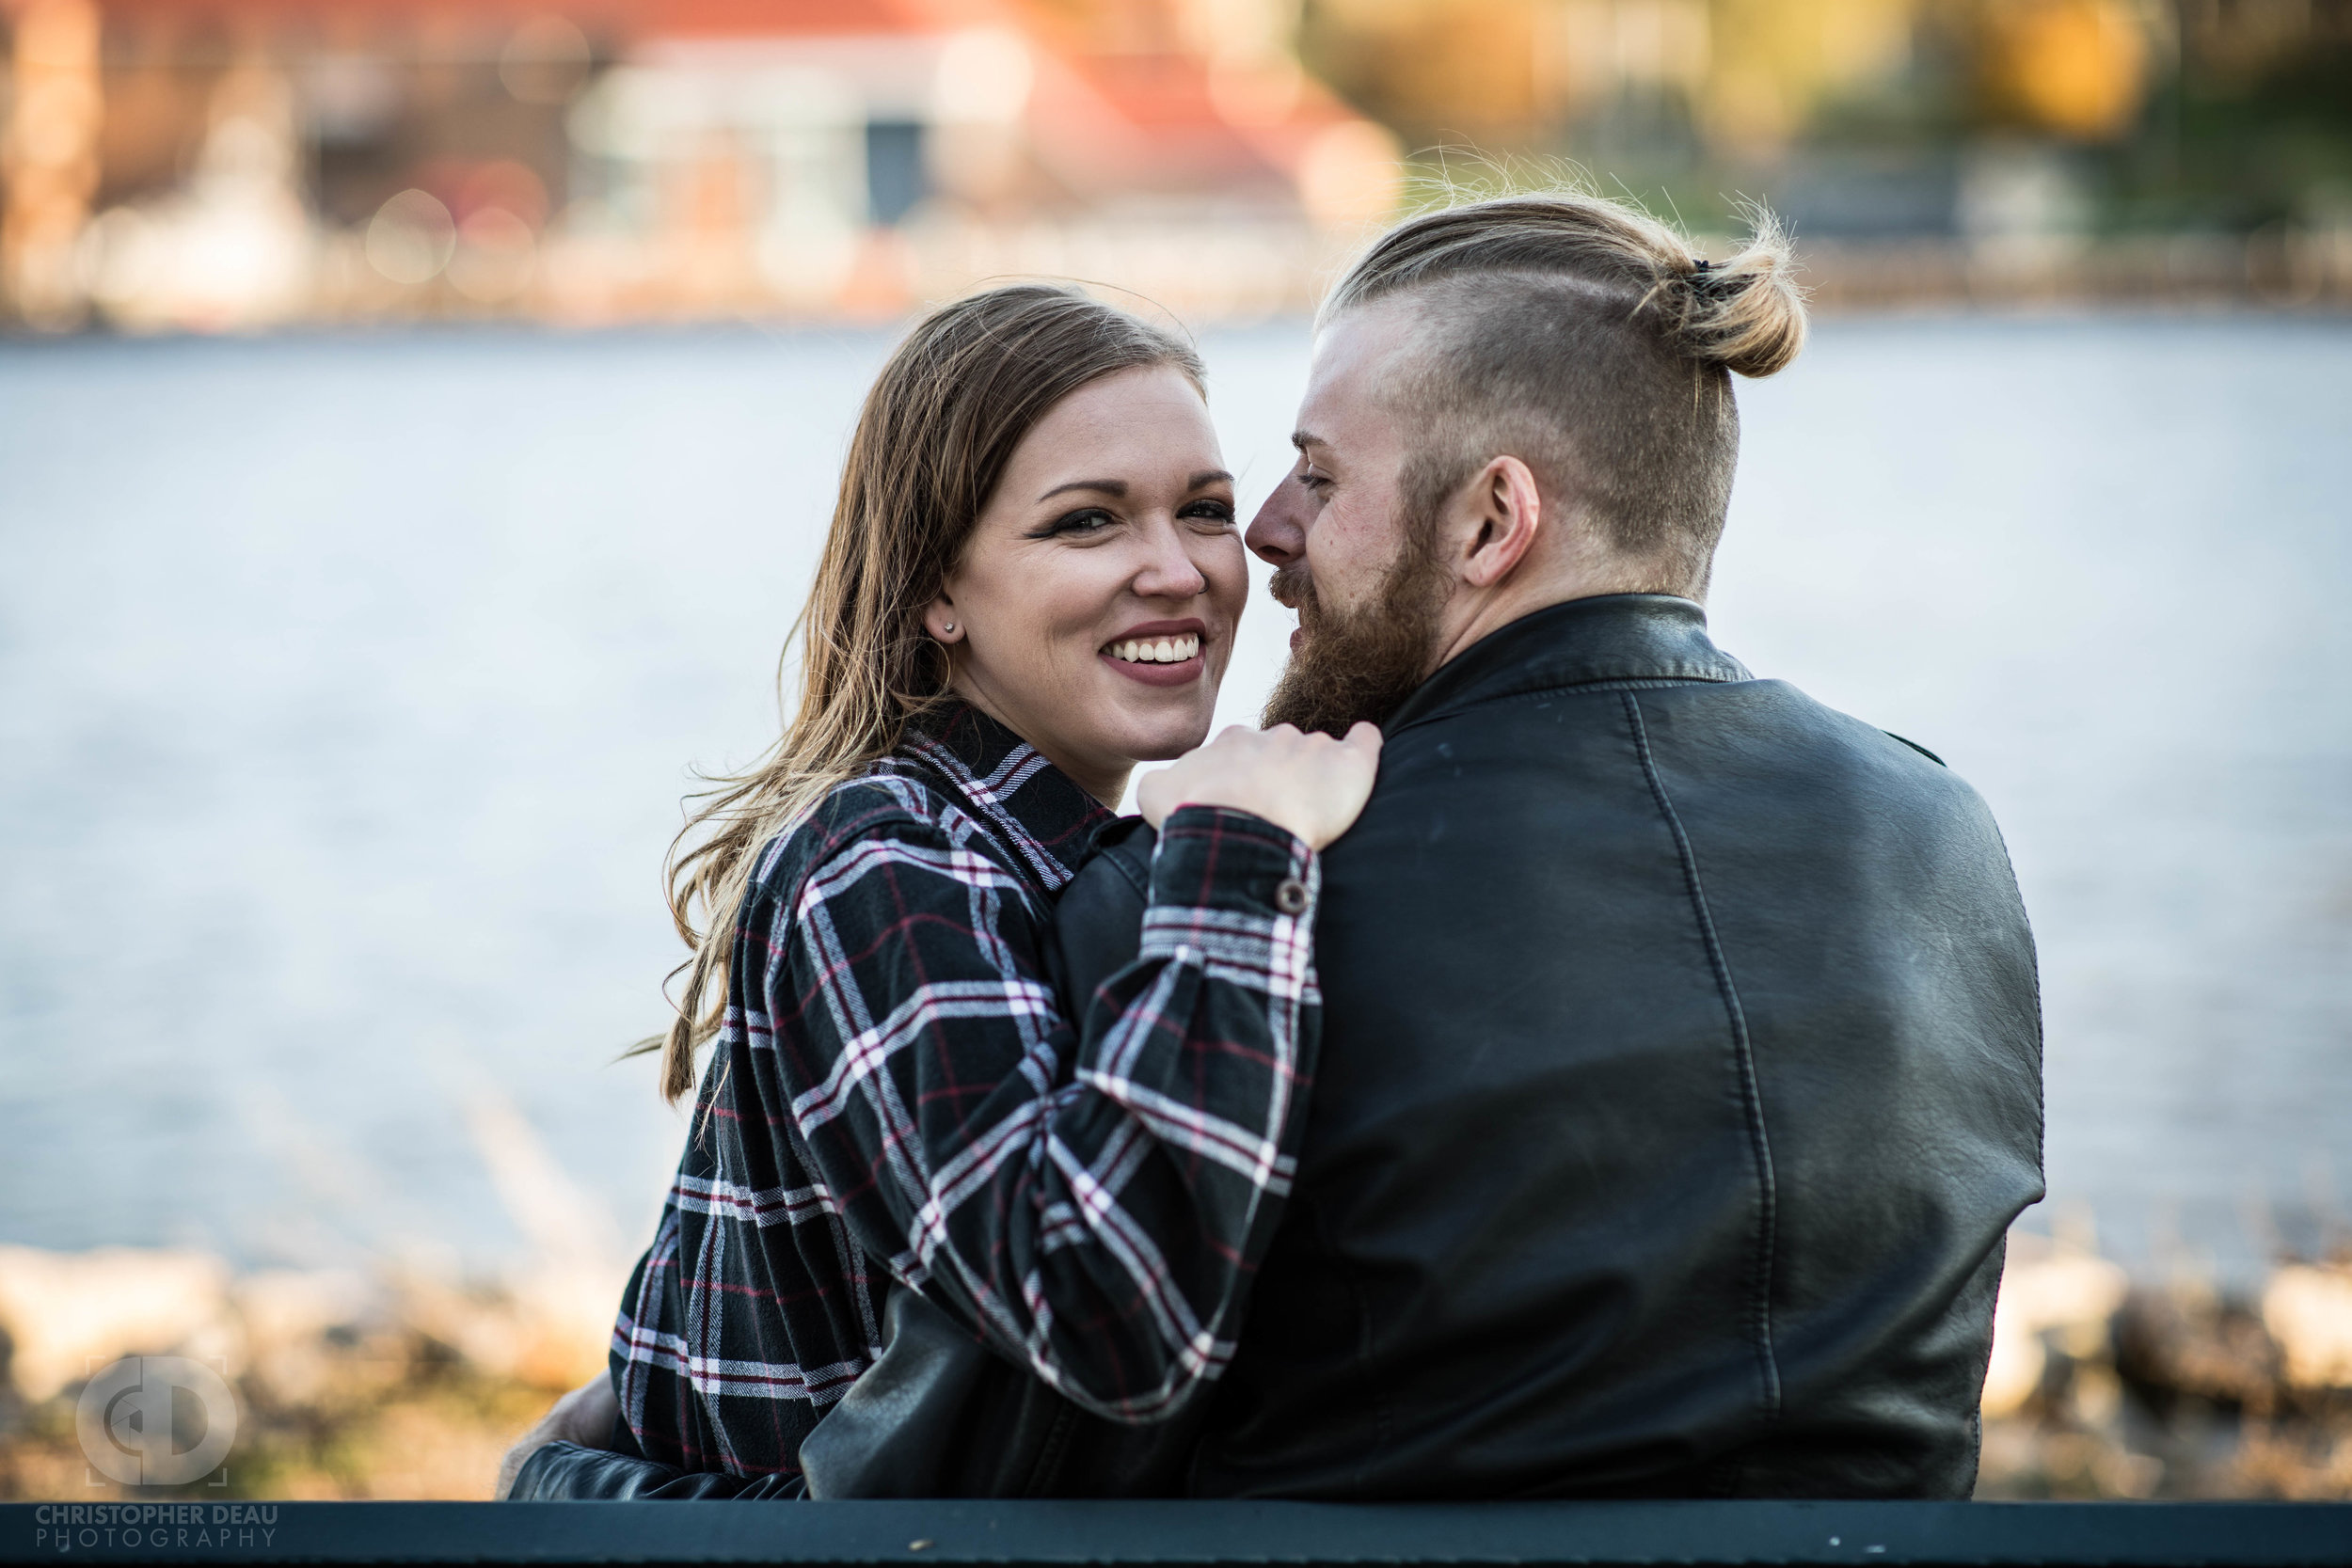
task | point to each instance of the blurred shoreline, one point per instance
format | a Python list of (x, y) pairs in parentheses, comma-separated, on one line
[(2270, 270), (399, 1383), (349, 1383), (2277, 270), (1949, 290)]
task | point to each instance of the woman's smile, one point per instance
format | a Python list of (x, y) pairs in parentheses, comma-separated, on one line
[(1159, 653)]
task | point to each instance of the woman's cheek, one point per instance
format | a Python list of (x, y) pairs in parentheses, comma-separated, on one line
[(1227, 571)]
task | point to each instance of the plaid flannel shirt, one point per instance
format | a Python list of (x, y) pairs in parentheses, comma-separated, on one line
[(897, 1099)]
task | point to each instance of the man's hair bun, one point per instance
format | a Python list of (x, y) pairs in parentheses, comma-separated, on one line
[(1746, 314)]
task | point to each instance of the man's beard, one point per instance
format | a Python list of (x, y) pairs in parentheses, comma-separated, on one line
[(1360, 664)]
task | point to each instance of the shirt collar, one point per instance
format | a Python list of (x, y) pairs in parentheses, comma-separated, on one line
[(1615, 637), (1007, 783)]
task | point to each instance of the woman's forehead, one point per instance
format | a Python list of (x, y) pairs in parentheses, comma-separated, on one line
[(1149, 418)]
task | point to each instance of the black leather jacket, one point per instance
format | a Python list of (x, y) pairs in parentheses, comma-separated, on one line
[(1681, 1077)]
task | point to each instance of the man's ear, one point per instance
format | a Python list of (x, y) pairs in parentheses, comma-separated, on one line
[(1496, 518)]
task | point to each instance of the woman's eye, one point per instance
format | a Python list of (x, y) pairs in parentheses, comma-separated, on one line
[(1092, 520), (1220, 512)]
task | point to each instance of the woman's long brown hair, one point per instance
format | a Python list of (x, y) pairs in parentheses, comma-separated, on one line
[(932, 441)]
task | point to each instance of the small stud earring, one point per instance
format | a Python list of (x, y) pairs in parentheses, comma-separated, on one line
[(951, 625)]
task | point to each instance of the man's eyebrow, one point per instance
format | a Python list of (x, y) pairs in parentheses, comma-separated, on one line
[(1302, 439), (1104, 487)]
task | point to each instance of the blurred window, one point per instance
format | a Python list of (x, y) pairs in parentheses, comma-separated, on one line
[(895, 180)]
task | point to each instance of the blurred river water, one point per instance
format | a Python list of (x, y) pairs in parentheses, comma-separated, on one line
[(348, 686)]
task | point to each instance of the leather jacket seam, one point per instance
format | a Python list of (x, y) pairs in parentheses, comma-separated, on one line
[(1916, 747), (1743, 1061), (1566, 689)]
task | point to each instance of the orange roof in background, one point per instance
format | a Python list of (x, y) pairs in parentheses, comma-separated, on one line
[(800, 18), (1167, 128), (631, 18), (1106, 120)]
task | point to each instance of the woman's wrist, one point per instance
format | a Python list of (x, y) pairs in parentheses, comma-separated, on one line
[(1214, 863)]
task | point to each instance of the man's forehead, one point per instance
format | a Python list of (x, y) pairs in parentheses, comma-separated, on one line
[(1363, 334), (1353, 365)]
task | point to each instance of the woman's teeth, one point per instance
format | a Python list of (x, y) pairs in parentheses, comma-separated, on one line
[(1157, 650)]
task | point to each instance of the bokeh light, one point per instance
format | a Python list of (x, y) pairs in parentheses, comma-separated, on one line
[(411, 238)]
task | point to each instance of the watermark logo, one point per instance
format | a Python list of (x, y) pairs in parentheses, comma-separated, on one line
[(156, 1420), (247, 1530)]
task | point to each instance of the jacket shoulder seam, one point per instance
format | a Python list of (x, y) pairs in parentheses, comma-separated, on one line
[(1743, 1061), (1916, 747), (1566, 689)]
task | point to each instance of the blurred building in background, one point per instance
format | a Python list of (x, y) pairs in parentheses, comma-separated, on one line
[(219, 164), (2009, 149), (222, 164)]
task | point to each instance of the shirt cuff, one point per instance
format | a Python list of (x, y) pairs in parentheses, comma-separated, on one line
[(1224, 881)]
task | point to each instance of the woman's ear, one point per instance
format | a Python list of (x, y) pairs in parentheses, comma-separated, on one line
[(941, 620)]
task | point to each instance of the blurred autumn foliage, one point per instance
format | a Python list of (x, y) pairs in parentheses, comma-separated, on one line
[(223, 164)]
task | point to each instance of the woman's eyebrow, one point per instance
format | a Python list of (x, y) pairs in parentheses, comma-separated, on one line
[(1118, 486), (1106, 486)]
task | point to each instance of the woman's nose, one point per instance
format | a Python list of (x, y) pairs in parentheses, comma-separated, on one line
[(1169, 572)]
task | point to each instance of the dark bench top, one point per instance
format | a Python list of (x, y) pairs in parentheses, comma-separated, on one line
[(915, 1533)]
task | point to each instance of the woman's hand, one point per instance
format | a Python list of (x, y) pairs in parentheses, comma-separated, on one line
[(1311, 785), (584, 1416)]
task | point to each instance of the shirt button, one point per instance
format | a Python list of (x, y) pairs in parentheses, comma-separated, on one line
[(1291, 897)]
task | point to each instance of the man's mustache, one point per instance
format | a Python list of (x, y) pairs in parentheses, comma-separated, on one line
[(1293, 587)]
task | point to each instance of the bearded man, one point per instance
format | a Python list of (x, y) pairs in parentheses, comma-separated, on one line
[(1681, 1065)]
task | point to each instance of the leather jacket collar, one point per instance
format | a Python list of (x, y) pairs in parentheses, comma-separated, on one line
[(1615, 637)]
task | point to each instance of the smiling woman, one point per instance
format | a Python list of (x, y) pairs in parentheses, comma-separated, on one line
[(1094, 607), (1031, 584)]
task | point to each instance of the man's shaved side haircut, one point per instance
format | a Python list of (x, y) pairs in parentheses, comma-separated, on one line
[(1588, 338)]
